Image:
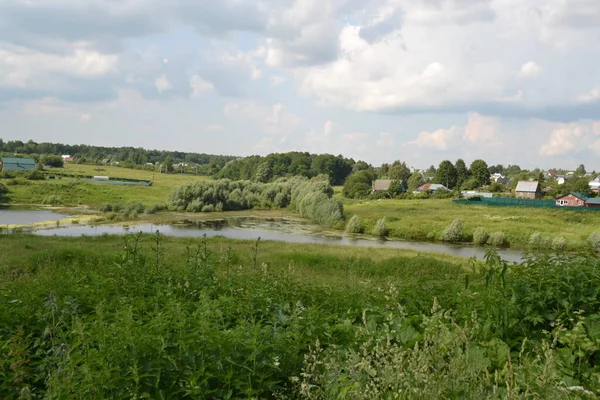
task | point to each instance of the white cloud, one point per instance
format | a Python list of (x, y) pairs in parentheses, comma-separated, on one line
[(481, 129), (278, 80), (440, 139), (596, 127), (199, 86), (530, 70), (162, 84), (275, 120), (563, 140), (214, 128), (85, 117), (592, 95), (385, 140)]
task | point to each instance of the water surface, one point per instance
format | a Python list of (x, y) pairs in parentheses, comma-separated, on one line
[(286, 231), (26, 217)]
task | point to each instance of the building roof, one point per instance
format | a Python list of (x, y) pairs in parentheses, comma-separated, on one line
[(17, 164), (432, 186), (527, 186), (382, 184), (594, 200), (578, 195)]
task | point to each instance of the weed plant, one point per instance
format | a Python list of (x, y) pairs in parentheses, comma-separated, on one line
[(226, 319)]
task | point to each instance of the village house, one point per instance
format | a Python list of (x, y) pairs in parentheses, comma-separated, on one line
[(572, 200), (381, 185), (17, 164), (431, 187), (495, 177), (595, 184), (67, 158), (528, 190), (593, 202)]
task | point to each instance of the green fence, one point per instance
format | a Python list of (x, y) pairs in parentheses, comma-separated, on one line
[(111, 180), (513, 202)]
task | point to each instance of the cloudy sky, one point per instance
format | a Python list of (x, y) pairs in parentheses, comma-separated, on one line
[(510, 81)]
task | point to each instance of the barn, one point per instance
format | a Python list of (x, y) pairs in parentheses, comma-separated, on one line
[(17, 164), (528, 190)]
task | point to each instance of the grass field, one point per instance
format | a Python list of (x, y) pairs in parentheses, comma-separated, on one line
[(154, 317), (426, 220), (72, 192)]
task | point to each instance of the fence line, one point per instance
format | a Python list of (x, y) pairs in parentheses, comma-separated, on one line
[(513, 202)]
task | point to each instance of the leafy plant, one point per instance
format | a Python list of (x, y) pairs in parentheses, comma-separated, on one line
[(354, 225), (380, 229), (497, 239), (453, 232), (480, 236)]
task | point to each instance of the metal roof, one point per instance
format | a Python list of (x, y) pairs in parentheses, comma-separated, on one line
[(578, 195), (527, 186), (11, 160), (432, 187), (18, 164), (595, 200), (382, 184)]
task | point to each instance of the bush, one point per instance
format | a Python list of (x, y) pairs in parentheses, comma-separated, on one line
[(559, 244), (497, 239), (453, 232), (594, 241), (208, 208), (35, 175), (354, 225), (153, 209), (53, 161), (539, 241), (3, 189), (380, 228), (480, 236)]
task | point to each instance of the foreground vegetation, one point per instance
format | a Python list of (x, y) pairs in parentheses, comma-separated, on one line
[(167, 318)]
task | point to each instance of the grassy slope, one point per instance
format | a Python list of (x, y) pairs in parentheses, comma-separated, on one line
[(416, 219), (73, 192)]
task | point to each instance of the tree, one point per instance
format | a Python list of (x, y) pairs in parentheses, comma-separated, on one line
[(462, 173), (359, 184), (415, 181), (167, 164), (53, 161), (397, 187), (480, 173), (446, 174), (580, 170), (579, 184), (399, 171)]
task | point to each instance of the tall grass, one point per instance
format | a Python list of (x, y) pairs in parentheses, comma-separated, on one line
[(224, 319)]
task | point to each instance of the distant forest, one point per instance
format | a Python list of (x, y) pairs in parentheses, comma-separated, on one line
[(257, 168)]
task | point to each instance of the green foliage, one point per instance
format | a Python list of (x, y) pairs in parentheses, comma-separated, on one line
[(380, 229), (480, 236), (52, 199), (479, 173), (415, 181), (359, 184), (398, 171), (594, 241), (462, 173), (580, 170), (3, 189), (446, 174), (397, 187), (354, 225), (559, 244), (453, 232), (35, 175), (227, 319), (53, 161), (539, 241), (311, 198), (497, 239)]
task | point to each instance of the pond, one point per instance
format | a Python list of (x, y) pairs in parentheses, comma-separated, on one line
[(26, 217), (274, 229)]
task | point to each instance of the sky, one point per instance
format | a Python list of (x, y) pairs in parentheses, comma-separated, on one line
[(508, 81)]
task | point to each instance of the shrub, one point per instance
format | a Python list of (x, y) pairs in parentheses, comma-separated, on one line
[(480, 236), (208, 208), (219, 207), (354, 225), (594, 241), (539, 241), (453, 232), (380, 228), (559, 244), (497, 239), (53, 161), (75, 221), (153, 209), (35, 175), (3, 189)]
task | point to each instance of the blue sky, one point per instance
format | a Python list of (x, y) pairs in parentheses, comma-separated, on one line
[(509, 81)]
